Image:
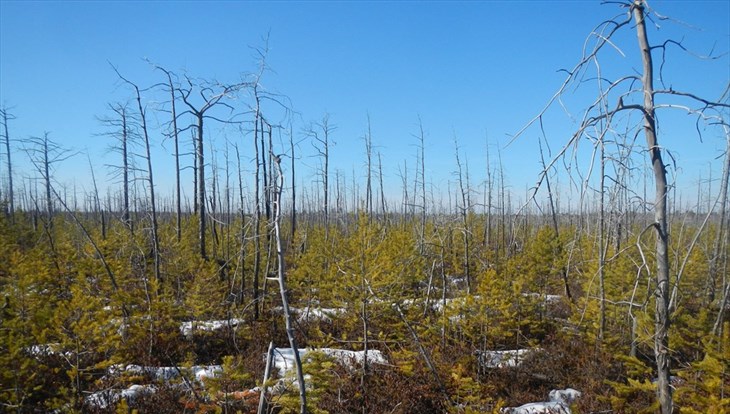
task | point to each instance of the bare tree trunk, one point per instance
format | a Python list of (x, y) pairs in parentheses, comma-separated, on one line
[(201, 186), (150, 179), (293, 191), (11, 202), (199, 114), (178, 194), (96, 202), (601, 248), (195, 172), (383, 208), (463, 212), (422, 156), (47, 178), (267, 370), (368, 186), (721, 231), (126, 218), (257, 223), (662, 316), (283, 289), (242, 251)]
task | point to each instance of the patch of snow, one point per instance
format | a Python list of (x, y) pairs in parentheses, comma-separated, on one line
[(166, 374), (502, 359), (47, 350), (42, 350), (558, 403), (311, 314), (187, 328), (538, 408), (567, 396), (284, 357), (106, 398), (204, 372)]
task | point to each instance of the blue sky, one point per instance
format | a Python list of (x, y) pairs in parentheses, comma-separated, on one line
[(470, 70)]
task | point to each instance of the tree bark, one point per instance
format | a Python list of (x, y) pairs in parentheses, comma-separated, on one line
[(662, 316), (282, 286), (11, 204)]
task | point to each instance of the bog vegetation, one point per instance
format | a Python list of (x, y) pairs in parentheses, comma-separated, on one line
[(463, 302)]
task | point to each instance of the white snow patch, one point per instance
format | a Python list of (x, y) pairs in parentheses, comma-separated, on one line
[(558, 403), (539, 408), (187, 328), (106, 398), (42, 350), (567, 396), (166, 374), (284, 357), (312, 314), (502, 359)]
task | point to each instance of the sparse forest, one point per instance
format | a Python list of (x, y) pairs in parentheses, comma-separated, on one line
[(242, 291)]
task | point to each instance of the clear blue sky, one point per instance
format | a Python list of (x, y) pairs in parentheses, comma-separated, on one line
[(471, 70)]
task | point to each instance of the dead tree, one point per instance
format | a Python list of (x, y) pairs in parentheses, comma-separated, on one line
[(463, 210), (44, 154), (174, 134), (293, 190), (6, 136), (369, 171), (120, 125), (211, 96), (281, 277), (320, 135), (142, 118), (722, 231), (421, 179), (635, 93)]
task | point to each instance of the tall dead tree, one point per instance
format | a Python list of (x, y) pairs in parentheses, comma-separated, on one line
[(6, 136), (320, 135), (421, 180), (142, 114), (174, 134), (44, 154), (281, 273), (636, 93), (210, 97), (293, 230), (120, 129), (463, 211), (369, 170)]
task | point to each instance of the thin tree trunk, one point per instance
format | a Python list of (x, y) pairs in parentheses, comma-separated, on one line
[(201, 186), (178, 193), (11, 202), (267, 372), (662, 316), (293, 191), (283, 290), (257, 223)]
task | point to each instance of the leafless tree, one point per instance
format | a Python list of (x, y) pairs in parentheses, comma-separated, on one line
[(635, 93), (278, 187), (174, 133), (463, 210), (320, 135), (142, 117), (211, 96), (369, 170), (120, 126), (6, 116)]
